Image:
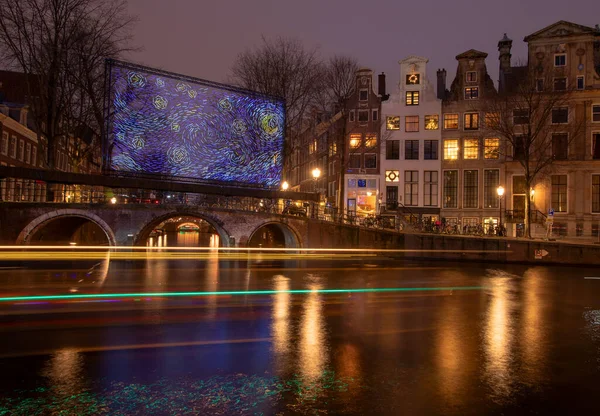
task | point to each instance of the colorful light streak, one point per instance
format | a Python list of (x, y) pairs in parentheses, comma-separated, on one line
[(234, 293)]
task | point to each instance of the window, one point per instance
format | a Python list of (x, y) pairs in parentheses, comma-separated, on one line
[(391, 197), (355, 161), (392, 176), (518, 147), (413, 79), (560, 59), (332, 149), (392, 150), (13, 147), (28, 153), (560, 115), (21, 149), (34, 155), (371, 141), (471, 93), (596, 113), (560, 146), (412, 97), (411, 123), (450, 121), (471, 76), (312, 147), (596, 145), (375, 115), (470, 189), (393, 123), (596, 193), (560, 84), (351, 183), (370, 161), (471, 149), (451, 189), (363, 116), (491, 148), (521, 116), (559, 193), (491, 181), (363, 95), (430, 149), (432, 122), (351, 115), (450, 149), (332, 189), (471, 121), (411, 187), (411, 149), (539, 84), (355, 140), (4, 146), (430, 191), (580, 82)]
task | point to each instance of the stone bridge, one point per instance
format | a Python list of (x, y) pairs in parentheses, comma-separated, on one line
[(131, 224)]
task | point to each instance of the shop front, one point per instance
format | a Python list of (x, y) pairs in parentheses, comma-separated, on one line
[(361, 195)]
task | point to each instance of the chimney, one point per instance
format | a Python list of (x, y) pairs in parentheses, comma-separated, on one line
[(381, 82), (504, 47), (441, 83)]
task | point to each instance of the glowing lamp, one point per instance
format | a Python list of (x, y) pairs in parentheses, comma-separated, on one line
[(500, 191), (113, 200), (316, 173), (285, 186)]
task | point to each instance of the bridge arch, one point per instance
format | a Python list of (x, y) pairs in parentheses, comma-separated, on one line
[(38, 224), (145, 232), (275, 234)]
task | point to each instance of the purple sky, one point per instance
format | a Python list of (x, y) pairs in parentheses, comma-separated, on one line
[(201, 38)]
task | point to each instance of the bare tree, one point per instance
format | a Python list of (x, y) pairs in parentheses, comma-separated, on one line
[(60, 45), (282, 68), (537, 120)]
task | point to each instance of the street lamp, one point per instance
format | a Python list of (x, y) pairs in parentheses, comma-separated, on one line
[(113, 200), (316, 173), (285, 186), (500, 192)]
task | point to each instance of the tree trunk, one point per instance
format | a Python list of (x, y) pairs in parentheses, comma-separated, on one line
[(527, 216)]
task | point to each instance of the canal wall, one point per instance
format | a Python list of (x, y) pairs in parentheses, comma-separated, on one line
[(498, 250), (323, 234)]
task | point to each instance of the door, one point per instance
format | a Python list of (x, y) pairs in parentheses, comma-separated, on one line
[(391, 197), (352, 206)]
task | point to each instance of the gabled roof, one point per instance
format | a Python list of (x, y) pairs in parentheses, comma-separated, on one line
[(472, 54), (413, 58), (560, 29)]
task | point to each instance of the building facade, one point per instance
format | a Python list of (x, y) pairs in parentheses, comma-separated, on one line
[(361, 161), (410, 150), (568, 56), (472, 164)]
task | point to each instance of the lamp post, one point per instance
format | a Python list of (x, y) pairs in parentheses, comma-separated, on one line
[(285, 186), (316, 173), (500, 192)]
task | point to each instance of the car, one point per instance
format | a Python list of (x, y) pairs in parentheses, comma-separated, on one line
[(294, 210)]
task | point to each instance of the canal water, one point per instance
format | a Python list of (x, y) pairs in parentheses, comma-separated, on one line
[(443, 338)]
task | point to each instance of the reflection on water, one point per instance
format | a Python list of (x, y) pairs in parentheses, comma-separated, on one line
[(499, 338), (64, 371), (533, 327), (312, 336), (281, 325)]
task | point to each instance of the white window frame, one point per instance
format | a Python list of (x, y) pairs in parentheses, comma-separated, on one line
[(592, 142), (591, 194), (13, 154), (467, 76), (557, 55), (580, 77), (363, 90), (478, 198), (592, 112)]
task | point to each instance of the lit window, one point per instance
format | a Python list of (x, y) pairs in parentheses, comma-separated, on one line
[(491, 149), (411, 123), (450, 121), (332, 149), (363, 116), (371, 141), (471, 121), (471, 149), (413, 79), (432, 122), (471, 93), (451, 149), (392, 176), (393, 123), (471, 76), (355, 140), (412, 97), (560, 59)]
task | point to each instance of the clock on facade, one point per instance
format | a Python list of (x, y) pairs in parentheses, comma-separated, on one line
[(413, 79)]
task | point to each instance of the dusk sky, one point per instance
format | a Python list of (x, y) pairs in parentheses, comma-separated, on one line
[(202, 38)]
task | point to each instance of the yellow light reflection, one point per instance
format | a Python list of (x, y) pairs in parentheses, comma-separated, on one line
[(499, 340), (312, 336), (64, 372), (280, 327), (533, 329)]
